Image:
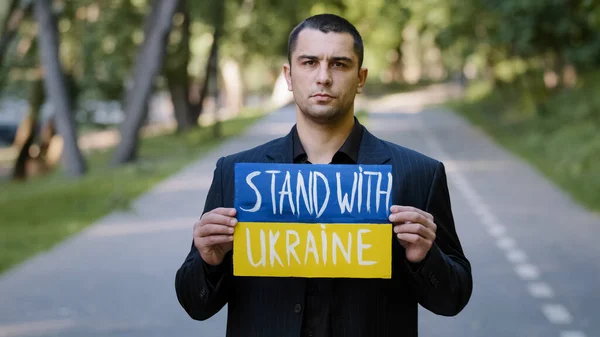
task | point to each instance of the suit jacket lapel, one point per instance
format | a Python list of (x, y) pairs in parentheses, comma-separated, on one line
[(281, 150), (373, 150)]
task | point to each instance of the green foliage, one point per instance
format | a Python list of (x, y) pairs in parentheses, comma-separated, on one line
[(536, 34), (99, 43), (560, 137), (501, 39)]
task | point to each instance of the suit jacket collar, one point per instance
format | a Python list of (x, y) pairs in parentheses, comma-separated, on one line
[(372, 151), (281, 150)]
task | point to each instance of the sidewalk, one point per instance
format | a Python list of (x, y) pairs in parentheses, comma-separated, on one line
[(533, 251)]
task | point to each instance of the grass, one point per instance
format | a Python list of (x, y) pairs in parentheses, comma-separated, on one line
[(375, 88), (559, 134), (362, 116), (40, 213)]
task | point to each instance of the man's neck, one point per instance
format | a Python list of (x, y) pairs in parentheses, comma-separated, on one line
[(322, 141)]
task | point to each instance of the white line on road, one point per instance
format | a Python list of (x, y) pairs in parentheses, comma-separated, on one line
[(488, 219), (557, 314), (497, 231), (540, 290), (492, 223), (527, 272), (516, 256), (482, 212), (506, 243), (572, 334), (36, 327)]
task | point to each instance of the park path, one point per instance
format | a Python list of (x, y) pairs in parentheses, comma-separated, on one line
[(533, 250)]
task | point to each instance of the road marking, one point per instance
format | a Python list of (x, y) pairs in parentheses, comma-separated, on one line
[(33, 328), (488, 219), (492, 223), (497, 231), (527, 272), (540, 290), (572, 334), (482, 212), (557, 314), (506, 243), (516, 256)]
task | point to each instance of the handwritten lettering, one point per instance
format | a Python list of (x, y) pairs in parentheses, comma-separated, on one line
[(253, 187), (310, 192), (315, 251)]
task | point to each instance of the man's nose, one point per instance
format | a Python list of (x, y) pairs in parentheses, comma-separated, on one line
[(324, 75)]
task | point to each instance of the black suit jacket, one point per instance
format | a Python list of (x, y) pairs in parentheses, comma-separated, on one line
[(264, 307)]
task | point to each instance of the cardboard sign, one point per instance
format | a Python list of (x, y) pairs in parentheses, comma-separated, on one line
[(305, 220)]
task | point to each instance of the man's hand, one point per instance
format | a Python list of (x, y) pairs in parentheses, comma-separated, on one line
[(415, 230), (213, 234)]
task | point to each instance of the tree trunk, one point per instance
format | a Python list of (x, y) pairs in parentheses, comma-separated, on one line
[(56, 87), (212, 84), (46, 141), (233, 87), (213, 66), (398, 65), (197, 106), (177, 74), (148, 64), (181, 106), (28, 130)]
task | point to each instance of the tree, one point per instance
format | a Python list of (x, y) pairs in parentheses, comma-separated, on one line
[(27, 130), (56, 87), (16, 12), (176, 70), (149, 62)]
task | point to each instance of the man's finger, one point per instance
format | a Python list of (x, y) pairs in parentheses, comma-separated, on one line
[(219, 219), (409, 238), (214, 229), (415, 228), (399, 208), (411, 217), (224, 211), (212, 240)]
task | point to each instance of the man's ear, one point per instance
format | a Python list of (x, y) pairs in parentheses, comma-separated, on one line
[(287, 72), (362, 78)]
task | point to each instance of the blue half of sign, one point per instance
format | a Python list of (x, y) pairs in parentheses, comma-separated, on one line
[(313, 193)]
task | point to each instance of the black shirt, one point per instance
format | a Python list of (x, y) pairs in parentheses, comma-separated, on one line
[(317, 318)]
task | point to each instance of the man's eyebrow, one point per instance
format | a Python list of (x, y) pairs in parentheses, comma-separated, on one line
[(335, 58), (309, 57), (342, 58)]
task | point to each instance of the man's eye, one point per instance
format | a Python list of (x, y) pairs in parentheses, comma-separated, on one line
[(309, 63), (339, 64)]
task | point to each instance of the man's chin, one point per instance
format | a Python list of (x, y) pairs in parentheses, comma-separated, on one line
[(323, 114)]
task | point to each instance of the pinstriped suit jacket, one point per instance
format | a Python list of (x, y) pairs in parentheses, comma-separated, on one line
[(268, 307)]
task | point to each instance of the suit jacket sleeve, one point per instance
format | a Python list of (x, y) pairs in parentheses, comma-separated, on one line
[(201, 288), (444, 278)]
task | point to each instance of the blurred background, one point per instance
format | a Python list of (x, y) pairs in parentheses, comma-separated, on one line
[(102, 100)]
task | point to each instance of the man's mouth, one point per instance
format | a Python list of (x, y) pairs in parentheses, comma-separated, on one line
[(322, 95)]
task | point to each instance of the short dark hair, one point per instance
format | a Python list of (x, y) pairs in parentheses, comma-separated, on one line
[(327, 23)]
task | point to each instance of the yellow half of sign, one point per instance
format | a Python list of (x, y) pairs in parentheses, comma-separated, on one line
[(312, 250)]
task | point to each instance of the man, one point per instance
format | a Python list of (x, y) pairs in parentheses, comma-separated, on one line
[(325, 54)]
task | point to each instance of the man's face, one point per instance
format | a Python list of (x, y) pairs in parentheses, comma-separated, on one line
[(324, 75)]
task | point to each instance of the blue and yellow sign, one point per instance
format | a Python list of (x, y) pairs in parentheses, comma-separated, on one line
[(313, 220)]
